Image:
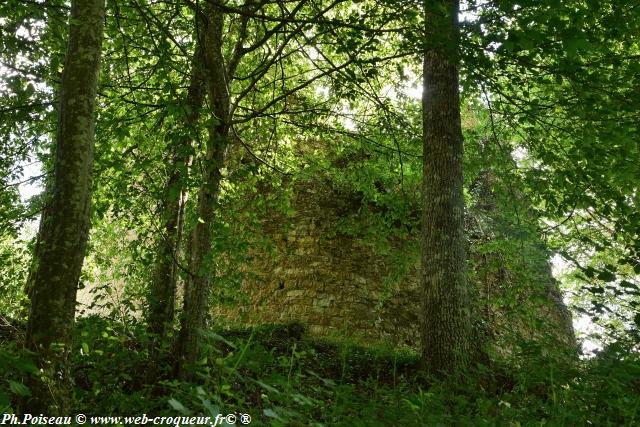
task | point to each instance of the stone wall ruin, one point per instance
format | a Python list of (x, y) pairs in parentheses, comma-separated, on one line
[(339, 284)]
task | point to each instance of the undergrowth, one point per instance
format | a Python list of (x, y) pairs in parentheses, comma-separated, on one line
[(282, 377)]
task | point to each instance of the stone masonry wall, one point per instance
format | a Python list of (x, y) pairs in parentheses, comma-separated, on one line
[(337, 284), (333, 283)]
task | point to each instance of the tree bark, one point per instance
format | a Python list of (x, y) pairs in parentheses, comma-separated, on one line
[(446, 329), (196, 302), (66, 219), (162, 291)]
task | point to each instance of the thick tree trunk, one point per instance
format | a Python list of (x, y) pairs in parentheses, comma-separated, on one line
[(196, 304), (65, 224), (162, 292), (446, 329)]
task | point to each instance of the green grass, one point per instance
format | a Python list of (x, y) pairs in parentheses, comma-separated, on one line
[(282, 377)]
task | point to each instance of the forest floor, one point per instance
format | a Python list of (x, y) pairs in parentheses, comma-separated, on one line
[(282, 377)]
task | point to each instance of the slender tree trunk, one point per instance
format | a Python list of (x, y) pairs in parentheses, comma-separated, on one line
[(196, 304), (63, 236), (446, 329), (163, 286)]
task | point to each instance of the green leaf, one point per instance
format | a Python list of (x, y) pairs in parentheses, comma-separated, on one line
[(178, 406), (213, 409), (25, 365), (607, 276), (19, 388), (272, 414), (590, 272), (267, 387), (559, 79), (216, 337), (628, 285)]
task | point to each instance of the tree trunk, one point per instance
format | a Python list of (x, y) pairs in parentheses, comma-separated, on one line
[(163, 286), (66, 219), (446, 329), (196, 304)]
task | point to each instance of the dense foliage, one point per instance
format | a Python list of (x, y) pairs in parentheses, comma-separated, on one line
[(283, 377), (329, 93)]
